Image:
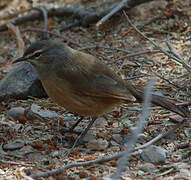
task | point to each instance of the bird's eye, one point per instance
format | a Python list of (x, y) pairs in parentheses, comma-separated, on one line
[(37, 53)]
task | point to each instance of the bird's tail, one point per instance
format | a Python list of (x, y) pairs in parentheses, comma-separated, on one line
[(159, 101)]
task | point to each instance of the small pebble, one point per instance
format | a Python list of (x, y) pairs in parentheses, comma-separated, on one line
[(97, 144), (154, 154), (44, 113), (55, 154), (2, 60), (18, 144), (16, 112), (148, 167), (100, 123), (117, 138)]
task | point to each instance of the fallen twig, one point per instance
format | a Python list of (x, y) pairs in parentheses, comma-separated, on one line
[(123, 160), (107, 158), (171, 54), (15, 163), (160, 136), (45, 17), (85, 18), (104, 47), (174, 52), (121, 5), (140, 53)]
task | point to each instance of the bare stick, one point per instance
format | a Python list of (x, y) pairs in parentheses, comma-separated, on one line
[(78, 164), (122, 4), (105, 159), (140, 53), (174, 52), (84, 17), (160, 136), (16, 163), (158, 47), (104, 47), (45, 17), (123, 161)]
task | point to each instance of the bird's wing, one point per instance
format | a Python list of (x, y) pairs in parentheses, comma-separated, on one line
[(94, 81)]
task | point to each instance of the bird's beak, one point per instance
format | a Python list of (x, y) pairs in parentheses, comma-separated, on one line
[(20, 59)]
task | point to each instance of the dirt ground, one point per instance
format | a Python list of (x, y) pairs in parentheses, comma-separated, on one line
[(38, 144)]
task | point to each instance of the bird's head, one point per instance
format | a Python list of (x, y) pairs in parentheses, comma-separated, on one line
[(45, 54)]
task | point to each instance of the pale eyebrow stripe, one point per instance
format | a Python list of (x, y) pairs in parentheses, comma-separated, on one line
[(34, 54)]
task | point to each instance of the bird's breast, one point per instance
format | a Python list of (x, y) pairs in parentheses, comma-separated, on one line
[(84, 105)]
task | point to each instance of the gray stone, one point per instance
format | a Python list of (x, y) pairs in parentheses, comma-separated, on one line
[(154, 154), (100, 122), (45, 113), (148, 167), (16, 112), (117, 138), (98, 144), (21, 82), (17, 144), (55, 154), (2, 60)]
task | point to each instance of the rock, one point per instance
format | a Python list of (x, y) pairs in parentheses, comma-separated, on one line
[(2, 60), (106, 178), (16, 112), (187, 132), (55, 154), (148, 167), (26, 150), (97, 144), (18, 144), (117, 138), (21, 82), (142, 138), (184, 174), (89, 137), (44, 113), (154, 154), (100, 122), (181, 165), (116, 130), (143, 11)]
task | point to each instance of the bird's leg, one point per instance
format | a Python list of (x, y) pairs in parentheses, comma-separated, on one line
[(79, 140), (74, 125), (71, 130)]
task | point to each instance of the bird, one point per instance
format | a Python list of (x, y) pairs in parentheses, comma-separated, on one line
[(81, 83)]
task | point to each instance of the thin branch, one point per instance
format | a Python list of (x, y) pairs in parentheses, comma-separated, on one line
[(158, 47), (175, 85), (107, 158), (174, 52), (140, 53), (16, 163), (45, 17), (160, 136), (104, 47), (122, 4), (123, 161), (68, 26), (84, 17), (78, 164)]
